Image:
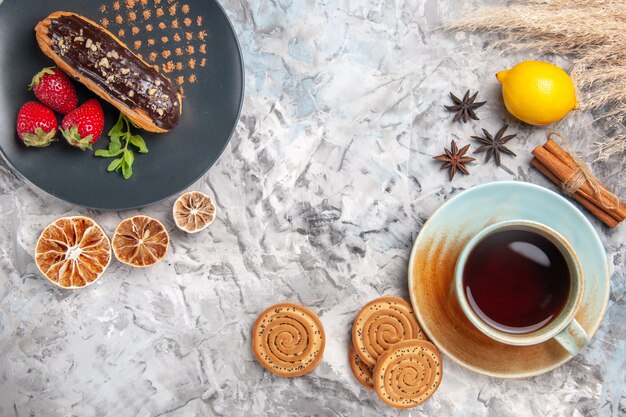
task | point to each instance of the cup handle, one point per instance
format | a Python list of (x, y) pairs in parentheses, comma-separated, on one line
[(573, 337)]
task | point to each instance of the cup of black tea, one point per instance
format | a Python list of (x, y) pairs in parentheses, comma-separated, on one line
[(520, 283)]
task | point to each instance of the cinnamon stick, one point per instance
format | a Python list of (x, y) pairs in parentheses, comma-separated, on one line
[(564, 156), (595, 210), (556, 150), (563, 172)]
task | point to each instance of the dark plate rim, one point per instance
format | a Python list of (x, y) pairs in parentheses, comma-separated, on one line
[(221, 151)]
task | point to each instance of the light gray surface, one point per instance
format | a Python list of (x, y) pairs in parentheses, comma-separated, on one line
[(320, 195)]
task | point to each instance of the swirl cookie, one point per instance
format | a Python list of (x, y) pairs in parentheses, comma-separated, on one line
[(288, 340), (380, 324), (408, 373), (361, 371)]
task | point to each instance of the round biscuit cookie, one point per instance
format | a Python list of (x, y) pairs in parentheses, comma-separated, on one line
[(288, 340), (361, 371), (408, 373), (382, 323)]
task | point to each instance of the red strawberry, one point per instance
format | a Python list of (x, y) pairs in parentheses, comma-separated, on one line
[(36, 124), (54, 89), (83, 125)]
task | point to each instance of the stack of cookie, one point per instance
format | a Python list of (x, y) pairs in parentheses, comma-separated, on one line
[(390, 354)]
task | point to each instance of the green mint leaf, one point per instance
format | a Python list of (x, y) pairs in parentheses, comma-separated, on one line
[(139, 143), (120, 138), (116, 139), (118, 128), (117, 133), (115, 147), (114, 165), (129, 157), (127, 171), (108, 153)]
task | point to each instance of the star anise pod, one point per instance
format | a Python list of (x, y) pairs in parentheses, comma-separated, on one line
[(465, 108), (494, 145), (455, 159)]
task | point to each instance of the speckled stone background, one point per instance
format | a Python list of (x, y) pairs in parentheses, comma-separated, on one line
[(320, 194)]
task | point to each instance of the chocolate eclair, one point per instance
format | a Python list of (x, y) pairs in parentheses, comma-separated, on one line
[(95, 57)]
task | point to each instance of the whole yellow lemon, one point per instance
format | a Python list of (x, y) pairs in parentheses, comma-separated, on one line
[(537, 93)]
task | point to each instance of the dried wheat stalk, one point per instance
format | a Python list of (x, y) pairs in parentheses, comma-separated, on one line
[(591, 33)]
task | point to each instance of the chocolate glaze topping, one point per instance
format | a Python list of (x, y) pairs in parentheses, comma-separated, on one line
[(116, 70)]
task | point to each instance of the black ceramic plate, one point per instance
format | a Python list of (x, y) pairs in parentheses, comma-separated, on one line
[(190, 39)]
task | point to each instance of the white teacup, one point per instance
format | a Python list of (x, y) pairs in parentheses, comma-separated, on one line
[(563, 328)]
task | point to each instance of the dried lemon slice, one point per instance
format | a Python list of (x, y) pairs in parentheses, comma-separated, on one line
[(73, 252), (193, 211), (140, 241)]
